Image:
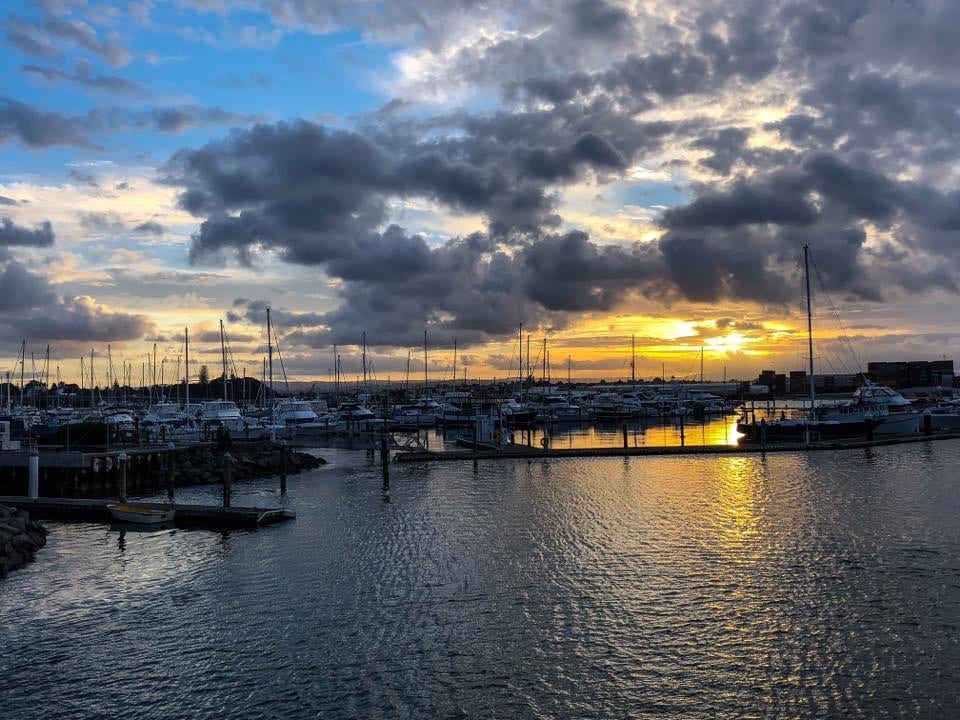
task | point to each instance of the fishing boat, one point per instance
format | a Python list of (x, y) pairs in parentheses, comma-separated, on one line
[(140, 514)]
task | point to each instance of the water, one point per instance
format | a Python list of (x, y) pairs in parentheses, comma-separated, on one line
[(796, 585), (650, 432)]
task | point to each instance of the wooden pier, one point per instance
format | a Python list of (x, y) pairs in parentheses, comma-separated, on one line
[(521, 452), (195, 516)]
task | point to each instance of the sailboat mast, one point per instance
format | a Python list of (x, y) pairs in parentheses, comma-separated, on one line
[(701, 364), (223, 359), (92, 397), (425, 366), (364, 359), (454, 363), (633, 361), (806, 276), (520, 362), (186, 374), (270, 359), (544, 372), (23, 361)]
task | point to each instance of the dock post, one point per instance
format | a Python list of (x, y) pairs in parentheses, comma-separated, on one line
[(683, 435), (385, 459), (283, 467), (623, 427), (33, 479), (476, 441), (763, 433), (227, 477), (122, 462), (170, 448), (868, 427), (927, 422)]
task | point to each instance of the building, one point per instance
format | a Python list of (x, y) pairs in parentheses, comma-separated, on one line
[(913, 373)]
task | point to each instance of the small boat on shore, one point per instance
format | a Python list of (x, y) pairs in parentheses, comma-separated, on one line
[(140, 514)]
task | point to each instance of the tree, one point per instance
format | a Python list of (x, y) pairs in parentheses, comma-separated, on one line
[(204, 378)]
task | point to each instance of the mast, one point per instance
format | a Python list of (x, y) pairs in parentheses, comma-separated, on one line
[(701, 364), (454, 363), (92, 397), (544, 374), (425, 366), (633, 361), (186, 373), (270, 361), (223, 359), (364, 360), (336, 374), (23, 360), (153, 382), (806, 277), (520, 361)]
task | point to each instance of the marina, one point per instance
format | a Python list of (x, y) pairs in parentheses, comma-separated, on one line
[(616, 578)]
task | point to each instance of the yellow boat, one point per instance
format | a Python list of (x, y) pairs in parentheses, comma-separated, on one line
[(140, 514)]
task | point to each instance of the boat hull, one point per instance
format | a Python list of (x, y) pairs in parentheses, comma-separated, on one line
[(140, 514)]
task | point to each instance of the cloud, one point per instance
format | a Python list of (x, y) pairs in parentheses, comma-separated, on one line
[(51, 36), (149, 228), (83, 76), (12, 234), (37, 128), (78, 318)]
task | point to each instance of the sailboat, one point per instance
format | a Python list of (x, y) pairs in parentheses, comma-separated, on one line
[(867, 412)]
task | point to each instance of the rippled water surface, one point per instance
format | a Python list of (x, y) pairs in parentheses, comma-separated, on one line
[(795, 585)]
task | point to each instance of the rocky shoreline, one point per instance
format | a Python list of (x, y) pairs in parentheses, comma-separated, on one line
[(20, 538), (252, 460)]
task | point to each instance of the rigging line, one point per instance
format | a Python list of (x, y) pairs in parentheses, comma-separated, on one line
[(833, 308)]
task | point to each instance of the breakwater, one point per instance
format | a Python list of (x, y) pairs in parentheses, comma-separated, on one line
[(20, 538), (73, 474)]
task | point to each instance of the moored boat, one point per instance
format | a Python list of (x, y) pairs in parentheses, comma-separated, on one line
[(140, 514)]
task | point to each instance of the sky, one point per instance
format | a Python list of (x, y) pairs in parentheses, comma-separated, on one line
[(591, 170)]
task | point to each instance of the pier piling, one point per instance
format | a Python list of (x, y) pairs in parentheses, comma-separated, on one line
[(33, 478), (927, 422), (169, 468), (623, 428), (122, 468), (283, 467), (227, 477), (385, 459)]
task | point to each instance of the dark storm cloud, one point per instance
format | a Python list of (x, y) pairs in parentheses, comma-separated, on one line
[(4, 200)]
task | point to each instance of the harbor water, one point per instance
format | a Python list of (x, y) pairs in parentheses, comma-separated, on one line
[(792, 585)]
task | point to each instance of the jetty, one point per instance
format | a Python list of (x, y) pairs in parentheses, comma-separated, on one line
[(195, 516), (523, 452)]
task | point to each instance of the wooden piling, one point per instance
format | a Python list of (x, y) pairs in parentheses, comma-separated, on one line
[(227, 477), (385, 459), (122, 469), (283, 467), (169, 458)]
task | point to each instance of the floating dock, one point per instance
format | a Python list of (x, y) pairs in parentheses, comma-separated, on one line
[(196, 516), (519, 452)]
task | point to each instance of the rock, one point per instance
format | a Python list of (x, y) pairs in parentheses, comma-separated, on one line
[(20, 538)]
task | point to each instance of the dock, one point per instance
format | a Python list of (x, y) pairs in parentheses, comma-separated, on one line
[(196, 516), (520, 452)]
